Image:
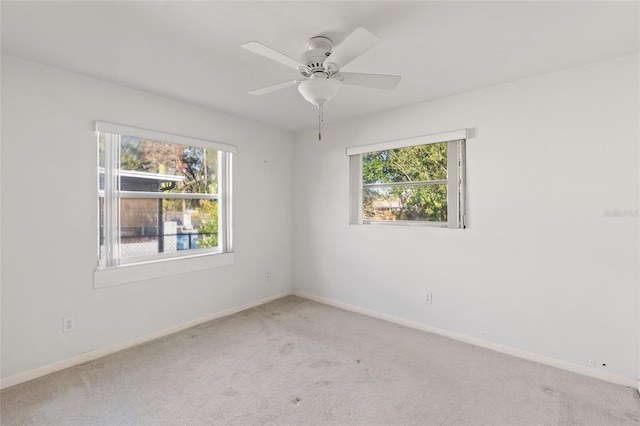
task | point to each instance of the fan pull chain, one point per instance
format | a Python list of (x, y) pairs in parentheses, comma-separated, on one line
[(320, 120)]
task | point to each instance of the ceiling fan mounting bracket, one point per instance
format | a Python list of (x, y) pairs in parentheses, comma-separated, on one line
[(320, 42)]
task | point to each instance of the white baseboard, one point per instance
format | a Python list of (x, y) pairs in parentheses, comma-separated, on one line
[(98, 353), (498, 347)]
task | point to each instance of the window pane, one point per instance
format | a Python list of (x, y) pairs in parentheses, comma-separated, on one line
[(101, 145), (101, 159), (410, 164), (419, 203), (151, 226), (101, 227), (155, 166)]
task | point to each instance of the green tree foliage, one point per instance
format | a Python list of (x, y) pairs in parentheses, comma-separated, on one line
[(411, 164), (199, 167), (208, 212), (131, 154)]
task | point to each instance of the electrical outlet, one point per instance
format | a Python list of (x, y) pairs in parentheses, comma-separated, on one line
[(267, 276), (428, 298), (68, 324)]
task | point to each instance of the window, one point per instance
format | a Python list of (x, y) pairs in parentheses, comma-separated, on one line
[(161, 197), (418, 181)]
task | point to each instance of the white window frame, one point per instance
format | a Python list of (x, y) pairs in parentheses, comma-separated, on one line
[(456, 208), (114, 270)]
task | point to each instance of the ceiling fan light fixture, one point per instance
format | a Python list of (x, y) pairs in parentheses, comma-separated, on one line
[(319, 90)]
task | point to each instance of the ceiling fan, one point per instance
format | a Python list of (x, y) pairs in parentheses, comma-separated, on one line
[(320, 67)]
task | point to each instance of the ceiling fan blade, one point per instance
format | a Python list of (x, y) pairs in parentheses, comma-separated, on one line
[(377, 81), (267, 52), (356, 43), (274, 87)]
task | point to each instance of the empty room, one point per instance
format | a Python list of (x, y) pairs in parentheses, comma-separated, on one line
[(320, 213)]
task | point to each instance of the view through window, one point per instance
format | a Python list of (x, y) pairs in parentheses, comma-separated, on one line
[(405, 183), (420, 183)]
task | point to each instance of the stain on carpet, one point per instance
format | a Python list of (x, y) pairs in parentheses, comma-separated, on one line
[(286, 349)]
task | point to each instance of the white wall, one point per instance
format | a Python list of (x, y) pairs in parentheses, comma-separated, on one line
[(49, 217), (540, 267)]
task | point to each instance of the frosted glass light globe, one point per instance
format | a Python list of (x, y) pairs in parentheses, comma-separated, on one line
[(319, 90)]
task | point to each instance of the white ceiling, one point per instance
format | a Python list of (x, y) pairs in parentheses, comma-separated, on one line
[(190, 51)]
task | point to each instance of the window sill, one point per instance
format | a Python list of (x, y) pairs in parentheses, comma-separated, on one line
[(107, 277), (416, 223)]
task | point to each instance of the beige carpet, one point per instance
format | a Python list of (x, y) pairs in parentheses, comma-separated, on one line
[(296, 362)]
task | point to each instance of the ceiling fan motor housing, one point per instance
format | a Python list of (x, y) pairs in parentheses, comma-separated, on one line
[(318, 49)]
